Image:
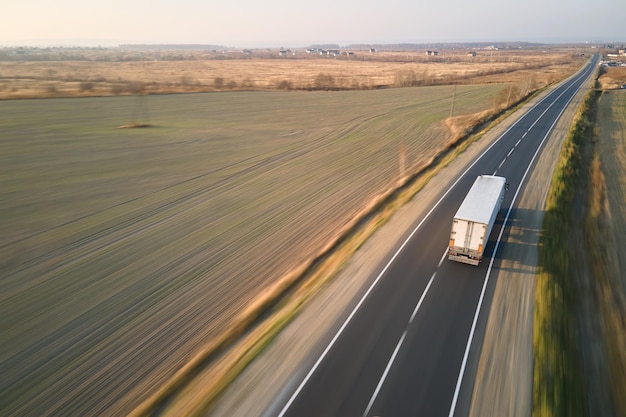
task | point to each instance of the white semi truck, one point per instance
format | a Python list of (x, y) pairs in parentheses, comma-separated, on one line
[(474, 220)]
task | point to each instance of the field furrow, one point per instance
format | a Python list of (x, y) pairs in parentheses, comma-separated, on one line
[(124, 251)]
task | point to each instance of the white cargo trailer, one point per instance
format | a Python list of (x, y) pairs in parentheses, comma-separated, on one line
[(474, 220)]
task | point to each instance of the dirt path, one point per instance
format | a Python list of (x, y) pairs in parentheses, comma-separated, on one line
[(284, 362)]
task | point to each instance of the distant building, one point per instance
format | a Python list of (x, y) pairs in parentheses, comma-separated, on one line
[(432, 53)]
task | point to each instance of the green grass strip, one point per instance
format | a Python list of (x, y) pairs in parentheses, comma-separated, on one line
[(558, 384)]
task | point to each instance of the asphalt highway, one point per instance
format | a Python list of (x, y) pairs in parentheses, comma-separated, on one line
[(408, 346)]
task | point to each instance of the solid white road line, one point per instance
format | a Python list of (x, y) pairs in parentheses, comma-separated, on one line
[(382, 379), (395, 352), (480, 301), (419, 303)]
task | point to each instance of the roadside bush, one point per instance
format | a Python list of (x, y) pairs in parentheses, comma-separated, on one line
[(248, 83), (406, 79), (324, 82), (86, 86), (186, 80), (507, 97), (135, 87), (117, 89), (284, 85)]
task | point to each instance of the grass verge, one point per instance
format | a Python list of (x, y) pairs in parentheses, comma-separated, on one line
[(558, 383)]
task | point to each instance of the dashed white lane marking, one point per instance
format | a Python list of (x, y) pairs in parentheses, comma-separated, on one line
[(441, 260), (382, 379), (417, 307), (508, 154), (395, 352)]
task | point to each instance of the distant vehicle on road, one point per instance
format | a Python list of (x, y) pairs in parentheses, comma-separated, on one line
[(474, 220)]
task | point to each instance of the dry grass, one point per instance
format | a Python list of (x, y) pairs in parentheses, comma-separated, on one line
[(612, 78), (95, 78)]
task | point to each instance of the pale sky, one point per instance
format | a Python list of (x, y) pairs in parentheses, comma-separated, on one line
[(291, 23)]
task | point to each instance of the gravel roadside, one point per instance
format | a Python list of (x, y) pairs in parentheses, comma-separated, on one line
[(259, 389)]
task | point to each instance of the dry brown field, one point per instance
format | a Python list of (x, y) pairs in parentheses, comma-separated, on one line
[(29, 79), (612, 78)]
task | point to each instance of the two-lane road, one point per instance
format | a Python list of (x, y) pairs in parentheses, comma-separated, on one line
[(403, 350)]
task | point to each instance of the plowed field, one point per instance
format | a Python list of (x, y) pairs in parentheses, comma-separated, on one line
[(124, 251)]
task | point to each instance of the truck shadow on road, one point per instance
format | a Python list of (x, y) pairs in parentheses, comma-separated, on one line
[(518, 250)]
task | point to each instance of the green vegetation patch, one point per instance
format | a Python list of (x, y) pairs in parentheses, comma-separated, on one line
[(558, 388)]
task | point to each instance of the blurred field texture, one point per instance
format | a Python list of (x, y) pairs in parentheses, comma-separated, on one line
[(580, 311), (606, 228), (123, 251)]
